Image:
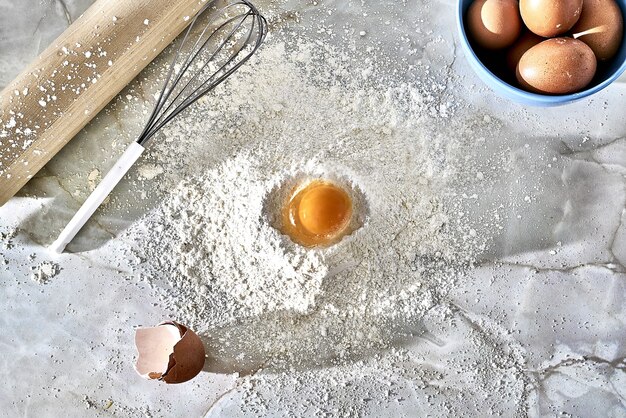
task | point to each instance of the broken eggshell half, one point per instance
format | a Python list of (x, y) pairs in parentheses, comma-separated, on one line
[(169, 352)]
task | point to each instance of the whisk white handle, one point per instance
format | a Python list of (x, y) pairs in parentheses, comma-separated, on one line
[(96, 198)]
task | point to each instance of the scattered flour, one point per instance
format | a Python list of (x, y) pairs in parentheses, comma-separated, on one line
[(149, 171), (94, 179), (43, 272), (210, 238), (6, 238), (213, 236), (324, 331), (323, 326)]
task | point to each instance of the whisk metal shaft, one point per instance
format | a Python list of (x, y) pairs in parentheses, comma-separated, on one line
[(238, 31)]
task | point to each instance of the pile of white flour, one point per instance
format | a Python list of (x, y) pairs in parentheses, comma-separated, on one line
[(213, 238), (210, 238), (263, 302)]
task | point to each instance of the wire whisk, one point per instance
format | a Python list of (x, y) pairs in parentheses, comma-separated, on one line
[(207, 55), (238, 31)]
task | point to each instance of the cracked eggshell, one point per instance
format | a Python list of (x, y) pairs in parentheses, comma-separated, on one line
[(169, 352)]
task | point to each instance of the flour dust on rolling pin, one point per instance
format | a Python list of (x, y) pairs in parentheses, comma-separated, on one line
[(77, 76)]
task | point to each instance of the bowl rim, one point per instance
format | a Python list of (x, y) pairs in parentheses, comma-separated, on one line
[(513, 91)]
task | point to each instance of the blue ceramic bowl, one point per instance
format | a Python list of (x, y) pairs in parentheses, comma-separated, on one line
[(604, 76)]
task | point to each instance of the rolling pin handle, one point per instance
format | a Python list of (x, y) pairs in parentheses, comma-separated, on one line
[(96, 197)]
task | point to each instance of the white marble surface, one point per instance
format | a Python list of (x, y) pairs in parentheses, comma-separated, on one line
[(554, 282)]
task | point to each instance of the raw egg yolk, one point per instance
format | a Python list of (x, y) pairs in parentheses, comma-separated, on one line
[(318, 214)]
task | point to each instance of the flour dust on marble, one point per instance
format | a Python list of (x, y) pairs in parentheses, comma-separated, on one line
[(262, 302), (45, 271)]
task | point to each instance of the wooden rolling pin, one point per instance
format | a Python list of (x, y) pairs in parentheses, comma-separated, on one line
[(74, 78)]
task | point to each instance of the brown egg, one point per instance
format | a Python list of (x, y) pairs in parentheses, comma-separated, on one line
[(557, 66), (494, 24), (550, 18), (601, 26), (169, 352), (519, 48)]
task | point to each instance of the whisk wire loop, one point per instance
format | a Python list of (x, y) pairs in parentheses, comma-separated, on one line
[(241, 36), (193, 95)]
